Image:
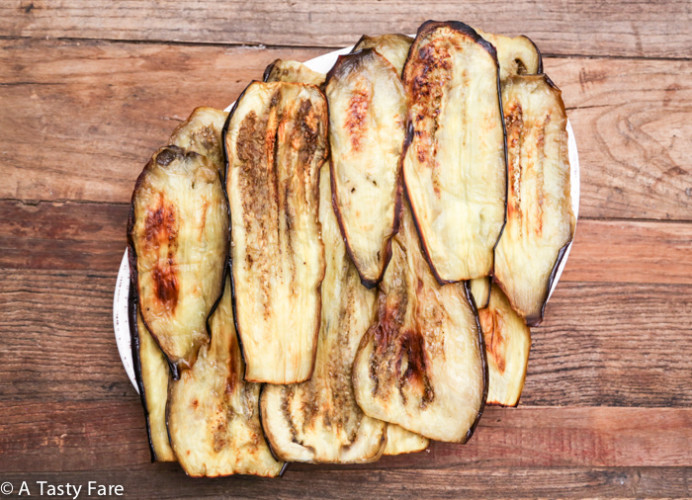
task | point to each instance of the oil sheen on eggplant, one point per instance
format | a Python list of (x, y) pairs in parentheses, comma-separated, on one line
[(178, 235), (507, 345), (319, 421), (516, 55), (367, 114), (421, 364), (213, 415), (201, 133), (276, 142), (283, 70), (393, 47), (540, 222), (152, 372), (454, 167)]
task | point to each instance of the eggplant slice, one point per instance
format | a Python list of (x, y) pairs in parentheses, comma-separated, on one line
[(507, 345), (401, 441), (213, 415), (201, 133), (393, 47), (178, 235), (454, 167), (319, 421), (480, 291), (540, 222), (283, 70), (151, 369), (516, 55), (421, 364), (367, 113), (276, 142)]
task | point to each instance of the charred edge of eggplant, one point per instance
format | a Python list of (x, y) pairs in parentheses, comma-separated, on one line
[(536, 320), (547, 80), (268, 70), (362, 39), (137, 364), (538, 52), (265, 434), (346, 61), (430, 26), (484, 361)]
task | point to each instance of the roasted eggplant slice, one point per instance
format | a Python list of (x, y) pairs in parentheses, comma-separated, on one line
[(393, 47), (201, 133), (213, 415), (276, 142), (367, 111), (454, 167), (540, 222), (178, 234), (319, 421), (292, 72), (401, 441), (152, 373), (507, 344), (421, 364), (516, 55), (480, 291)]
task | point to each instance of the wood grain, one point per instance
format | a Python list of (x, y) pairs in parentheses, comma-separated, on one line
[(81, 434), (166, 481), (601, 344), (81, 119), (625, 28)]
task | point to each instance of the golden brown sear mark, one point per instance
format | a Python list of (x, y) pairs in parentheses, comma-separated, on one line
[(355, 117), (492, 325)]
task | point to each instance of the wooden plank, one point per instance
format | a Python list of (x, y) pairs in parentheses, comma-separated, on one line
[(91, 237), (601, 343), (625, 28), (87, 434), (81, 119), (167, 481)]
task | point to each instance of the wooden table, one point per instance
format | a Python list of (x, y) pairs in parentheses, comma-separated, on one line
[(89, 89)]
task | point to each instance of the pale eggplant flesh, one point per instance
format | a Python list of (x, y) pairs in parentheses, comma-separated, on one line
[(152, 374), (454, 167), (178, 236), (283, 70), (201, 133), (400, 441), (318, 421), (393, 47), (507, 344), (480, 291), (367, 114), (275, 142), (421, 364), (516, 55), (540, 222), (213, 415)]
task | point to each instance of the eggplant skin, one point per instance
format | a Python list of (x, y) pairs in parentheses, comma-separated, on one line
[(401, 441), (283, 70), (516, 55), (454, 167), (507, 343), (318, 421), (540, 222), (394, 47), (178, 235), (421, 364), (201, 133), (152, 373), (276, 142), (367, 114), (213, 415)]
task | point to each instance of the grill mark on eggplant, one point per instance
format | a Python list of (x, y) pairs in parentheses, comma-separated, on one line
[(514, 125), (355, 120), (492, 325)]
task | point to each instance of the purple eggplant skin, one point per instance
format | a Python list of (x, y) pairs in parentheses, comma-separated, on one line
[(429, 27), (346, 64)]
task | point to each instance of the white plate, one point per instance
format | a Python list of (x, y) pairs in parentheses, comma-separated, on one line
[(323, 63)]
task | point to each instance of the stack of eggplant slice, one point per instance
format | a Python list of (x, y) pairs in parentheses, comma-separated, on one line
[(345, 266)]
